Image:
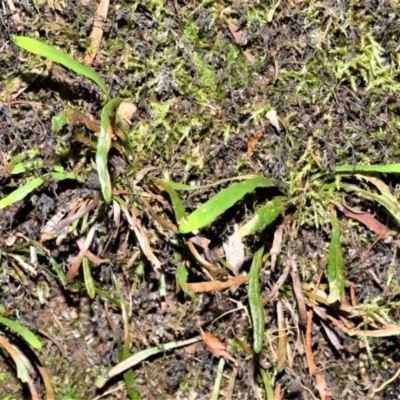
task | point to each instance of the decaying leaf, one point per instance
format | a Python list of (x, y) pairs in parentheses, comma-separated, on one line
[(210, 286), (216, 347), (126, 111), (234, 250), (364, 217), (97, 32)]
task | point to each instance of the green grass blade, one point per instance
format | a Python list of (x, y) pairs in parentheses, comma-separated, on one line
[(255, 302), (141, 356), (264, 216), (335, 264), (103, 146), (44, 50), (179, 211), (182, 276), (388, 168), (182, 186), (218, 204), (24, 332), (60, 273), (87, 274), (20, 193)]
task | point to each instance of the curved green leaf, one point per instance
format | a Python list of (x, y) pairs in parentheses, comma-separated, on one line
[(388, 168), (218, 204), (20, 193), (103, 146), (255, 302), (336, 263), (179, 211), (264, 216), (44, 50), (24, 332)]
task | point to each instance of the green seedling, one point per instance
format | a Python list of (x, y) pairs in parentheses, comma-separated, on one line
[(321, 195), (104, 141)]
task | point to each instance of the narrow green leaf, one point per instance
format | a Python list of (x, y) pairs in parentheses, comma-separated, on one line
[(44, 50), (87, 274), (335, 264), (380, 185), (103, 146), (109, 297), (60, 174), (268, 384), (182, 186), (179, 211), (388, 168), (60, 273), (264, 216), (255, 302), (141, 356), (218, 204), (24, 332), (20, 193), (182, 276)]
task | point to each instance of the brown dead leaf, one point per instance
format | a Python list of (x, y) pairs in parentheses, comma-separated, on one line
[(249, 57), (364, 217), (201, 242), (97, 32), (216, 347), (216, 285), (239, 36), (252, 142), (125, 112)]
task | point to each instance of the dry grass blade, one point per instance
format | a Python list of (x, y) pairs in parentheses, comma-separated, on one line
[(231, 386), (266, 299), (22, 371), (141, 236), (298, 293), (83, 211), (97, 32), (209, 266), (93, 258), (73, 270), (314, 371), (282, 338), (216, 285), (46, 382), (364, 217)]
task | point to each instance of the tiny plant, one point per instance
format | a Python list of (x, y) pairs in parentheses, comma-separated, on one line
[(104, 139)]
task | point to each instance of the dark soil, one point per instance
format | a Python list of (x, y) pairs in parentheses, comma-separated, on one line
[(329, 69)]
